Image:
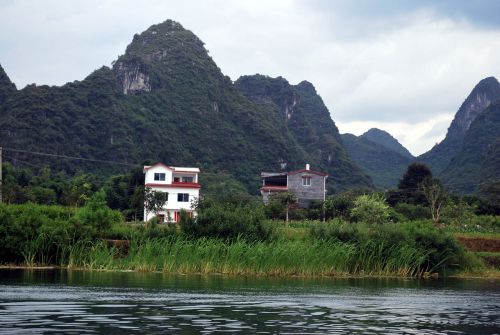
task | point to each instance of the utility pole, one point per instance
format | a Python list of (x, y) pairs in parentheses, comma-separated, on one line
[(1, 175)]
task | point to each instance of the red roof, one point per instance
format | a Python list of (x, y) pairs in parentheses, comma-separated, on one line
[(175, 184)]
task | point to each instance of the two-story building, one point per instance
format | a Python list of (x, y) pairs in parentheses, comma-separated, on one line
[(306, 184), (181, 184)]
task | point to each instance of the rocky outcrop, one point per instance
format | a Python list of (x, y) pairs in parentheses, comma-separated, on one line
[(485, 92), (440, 156), (133, 77)]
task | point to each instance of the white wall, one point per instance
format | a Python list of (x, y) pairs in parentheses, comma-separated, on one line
[(150, 175)]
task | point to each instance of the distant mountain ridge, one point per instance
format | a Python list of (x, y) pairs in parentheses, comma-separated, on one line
[(387, 140), (166, 100), (380, 155)]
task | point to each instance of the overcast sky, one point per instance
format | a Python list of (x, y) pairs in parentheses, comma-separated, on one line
[(402, 66)]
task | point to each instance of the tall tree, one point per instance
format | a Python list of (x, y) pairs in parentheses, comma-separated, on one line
[(435, 194)]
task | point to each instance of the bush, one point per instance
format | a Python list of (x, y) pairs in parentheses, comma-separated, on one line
[(339, 206), (413, 212), (438, 250), (96, 217), (370, 209), (227, 220), (33, 233)]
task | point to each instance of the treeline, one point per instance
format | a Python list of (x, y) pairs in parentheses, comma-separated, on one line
[(418, 196), (124, 192)]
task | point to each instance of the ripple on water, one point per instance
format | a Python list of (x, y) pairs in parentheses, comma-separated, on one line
[(56, 308)]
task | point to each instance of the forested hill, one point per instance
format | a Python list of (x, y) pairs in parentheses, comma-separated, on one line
[(387, 140), (476, 167), (166, 100), (383, 159), (299, 111), (441, 155)]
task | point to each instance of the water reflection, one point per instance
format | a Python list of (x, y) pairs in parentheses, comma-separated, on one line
[(114, 303)]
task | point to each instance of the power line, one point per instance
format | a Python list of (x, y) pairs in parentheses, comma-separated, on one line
[(68, 157)]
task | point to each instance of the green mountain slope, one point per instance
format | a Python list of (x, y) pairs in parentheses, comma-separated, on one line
[(385, 139), (298, 110), (166, 100), (384, 165), (440, 156), (478, 160)]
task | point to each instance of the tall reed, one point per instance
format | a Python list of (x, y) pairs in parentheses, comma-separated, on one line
[(308, 257)]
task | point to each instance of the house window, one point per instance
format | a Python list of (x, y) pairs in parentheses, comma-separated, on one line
[(177, 179), (306, 181), (183, 197), (187, 179), (159, 176), (161, 218)]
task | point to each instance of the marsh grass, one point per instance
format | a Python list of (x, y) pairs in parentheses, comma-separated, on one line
[(282, 257)]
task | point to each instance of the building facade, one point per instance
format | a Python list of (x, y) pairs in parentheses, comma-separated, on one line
[(306, 184), (182, 186)]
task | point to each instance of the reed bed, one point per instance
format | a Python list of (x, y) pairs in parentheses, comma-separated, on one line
[(307, 257)]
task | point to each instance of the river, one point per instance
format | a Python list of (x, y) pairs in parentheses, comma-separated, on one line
[(79, 302)]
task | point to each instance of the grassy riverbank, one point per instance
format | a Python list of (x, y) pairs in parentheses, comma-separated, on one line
[(34, 235)]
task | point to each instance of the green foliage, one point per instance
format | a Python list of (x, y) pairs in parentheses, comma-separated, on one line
[(33, 233), (228, 221), (384, 165), (476, 165), (96, 217), (209, 121), (339, 206), (413, 212), (154, 201), (418, 245), (370, 209), (385, 139)]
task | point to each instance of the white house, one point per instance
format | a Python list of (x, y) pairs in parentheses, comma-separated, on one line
[(181, 184)]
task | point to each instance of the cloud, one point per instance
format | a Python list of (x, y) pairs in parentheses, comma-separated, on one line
[(386, 63)]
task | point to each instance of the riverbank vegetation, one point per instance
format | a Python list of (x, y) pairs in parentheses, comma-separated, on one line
[(355, 233)]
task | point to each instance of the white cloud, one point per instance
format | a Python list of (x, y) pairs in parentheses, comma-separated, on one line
[(395, 71)]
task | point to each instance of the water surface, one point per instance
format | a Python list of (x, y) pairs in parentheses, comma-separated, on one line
[(77, 302)]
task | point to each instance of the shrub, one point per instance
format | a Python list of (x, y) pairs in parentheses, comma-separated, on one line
[(413, 212), (371, 209), (95, 218), (339, 206), (226, 220)]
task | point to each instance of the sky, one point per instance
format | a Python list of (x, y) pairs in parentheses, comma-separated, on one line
[(401, 66)]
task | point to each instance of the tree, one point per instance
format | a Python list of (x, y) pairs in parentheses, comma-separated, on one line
[(435, 194), (339, 206), (490, 190), (408, 190), (154, 201), (370, 209), (285, 199), (96, 215), (136, 202)]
